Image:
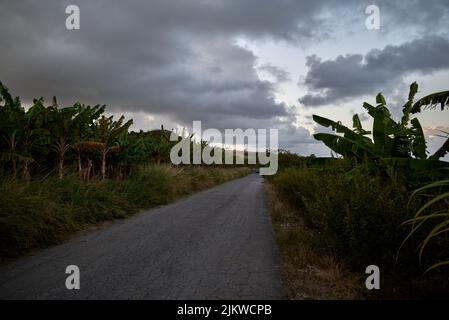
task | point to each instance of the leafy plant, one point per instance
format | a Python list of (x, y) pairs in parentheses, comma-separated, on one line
[(45, 139), (390, 144)]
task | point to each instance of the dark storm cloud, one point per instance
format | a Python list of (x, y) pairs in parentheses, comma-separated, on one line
[(354, 75), (177, 59), (426, 16)]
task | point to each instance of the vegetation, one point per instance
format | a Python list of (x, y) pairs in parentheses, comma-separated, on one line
[(45, 212), (438, 218), (383, 200), (397, 147), (370, 206), (43, 140), (308, 268)]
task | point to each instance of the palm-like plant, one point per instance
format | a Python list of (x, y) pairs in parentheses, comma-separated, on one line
[(47, 135), (61, 128), (393, 143), (34, 132), (83, 129), (107, 132), (12, 118)]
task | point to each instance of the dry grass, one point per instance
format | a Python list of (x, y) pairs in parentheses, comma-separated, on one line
[(41, 213), (308, 270)]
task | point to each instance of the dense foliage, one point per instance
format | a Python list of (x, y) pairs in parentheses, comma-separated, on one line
[(385, 199), (46, 139), (396, 147)]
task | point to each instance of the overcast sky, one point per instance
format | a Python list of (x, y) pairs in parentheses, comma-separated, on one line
[(231, 64)]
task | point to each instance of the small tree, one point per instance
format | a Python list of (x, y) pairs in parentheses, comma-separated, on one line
[(107, 133), (61, 128)]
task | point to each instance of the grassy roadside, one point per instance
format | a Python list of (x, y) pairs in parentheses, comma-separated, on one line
[(308, 269), (330, 225), (41, 213)]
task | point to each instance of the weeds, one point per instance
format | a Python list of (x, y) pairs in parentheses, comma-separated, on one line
[(41, 213), (309, 270)]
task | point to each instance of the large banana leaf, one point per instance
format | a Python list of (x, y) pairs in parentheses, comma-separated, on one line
[(431, 101), (347, 133), (408, 106), (441, 152), (384, 128), (345, 146), (357, 125), (419, 141)]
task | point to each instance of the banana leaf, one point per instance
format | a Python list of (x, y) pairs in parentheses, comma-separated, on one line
[(345, 146), (419, 146), (441, 152), (431, 101)]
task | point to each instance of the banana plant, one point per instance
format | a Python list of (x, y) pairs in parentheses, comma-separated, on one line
[(83, 129), (35, 133), (390, 143), (61, 128), (12, 119), (108, 132)]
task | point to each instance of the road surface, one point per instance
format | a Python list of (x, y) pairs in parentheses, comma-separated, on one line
[(216, 244)]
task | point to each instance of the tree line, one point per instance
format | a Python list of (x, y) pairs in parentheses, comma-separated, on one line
[(44, 140)]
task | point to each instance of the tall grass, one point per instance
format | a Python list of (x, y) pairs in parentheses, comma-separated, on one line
[(308, 269), (41, 213), (359, 216), (354, 218)]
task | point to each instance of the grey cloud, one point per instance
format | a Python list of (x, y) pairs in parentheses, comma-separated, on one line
[(174, 59), (424, 16), (280, 74), (354, 75), (137, 57)]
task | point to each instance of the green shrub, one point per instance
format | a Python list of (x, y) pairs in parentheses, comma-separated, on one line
[(358, 215), (40, 213)]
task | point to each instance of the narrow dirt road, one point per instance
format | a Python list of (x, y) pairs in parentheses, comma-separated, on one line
[(216, 244)]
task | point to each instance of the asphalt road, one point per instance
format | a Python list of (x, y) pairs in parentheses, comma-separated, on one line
[(216, 244)]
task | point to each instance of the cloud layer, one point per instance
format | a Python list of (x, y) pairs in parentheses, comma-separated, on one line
[(179, 60), (354, 75)]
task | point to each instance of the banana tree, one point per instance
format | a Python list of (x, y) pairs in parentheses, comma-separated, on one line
[(83, 129), (34, 133), (390, 142), (12, 119), (431, 102), (132, 151), (107, 132), (161, 145), (61, 128)]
